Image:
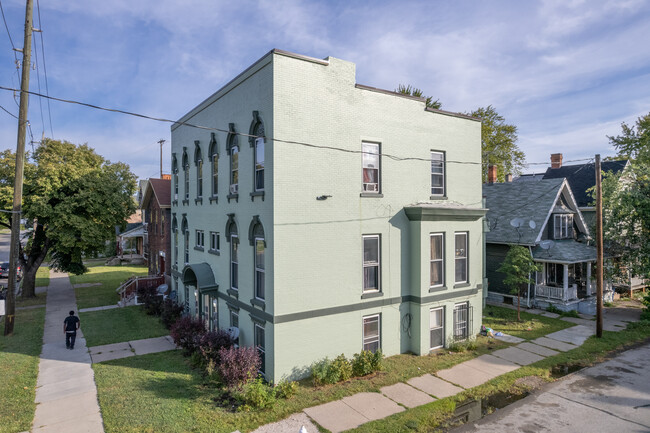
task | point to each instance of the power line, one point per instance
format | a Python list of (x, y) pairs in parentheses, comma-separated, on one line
[(38, 81), (47, 90), (279, 140), (8, 112), (8, 33)]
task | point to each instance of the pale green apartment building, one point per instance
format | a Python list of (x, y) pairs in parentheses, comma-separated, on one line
[(319, 216)]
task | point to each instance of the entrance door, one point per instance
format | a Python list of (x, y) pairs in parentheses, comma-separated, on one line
[(161, 265), (436, 328)]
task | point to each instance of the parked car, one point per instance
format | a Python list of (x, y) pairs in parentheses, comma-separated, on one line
[(4, 271)]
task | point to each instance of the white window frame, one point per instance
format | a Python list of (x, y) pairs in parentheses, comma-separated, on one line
[(215, 174), (259, 168), (562, 226), (234, 171), (371, 264), (432, 328), (200, 239), (199, 178), (370, 187), (440, 260), (468, 310), (367, 341), (261, 348), (175, 184), (438, 170), (186, 256), (260, 275), (234, 262), (215, 241), (461, 256)]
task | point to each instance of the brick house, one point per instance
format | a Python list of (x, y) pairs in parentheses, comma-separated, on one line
[(156, 209)]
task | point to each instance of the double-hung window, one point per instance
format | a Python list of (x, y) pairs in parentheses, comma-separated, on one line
[(199, 178), (176, 247), (371, 263), (461, 258), (187, 246), (563, 225), (234, 262), (437, 265), (214, 241), (259, 268), (436, 327), (186, 178), (215, 174), (234, 169), (234, 322), (259, 164), (372, 333), (461, 321), (370, 159), (200, 239), (437, 173), (259, 344)]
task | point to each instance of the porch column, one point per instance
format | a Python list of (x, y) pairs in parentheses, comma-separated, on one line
[(565, 283), (589, 279)]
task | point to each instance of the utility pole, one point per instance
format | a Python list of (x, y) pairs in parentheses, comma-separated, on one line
[(599, 251), (161, 142), (14, 248)]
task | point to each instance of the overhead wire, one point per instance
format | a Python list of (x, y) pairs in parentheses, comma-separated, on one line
[(8, 112), (47, 90), (11, 41), (279, 140), (38, 81)]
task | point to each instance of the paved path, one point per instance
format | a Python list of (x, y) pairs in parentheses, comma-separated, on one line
[(131, 348), (352, 411), (66, 394), (611, 397)]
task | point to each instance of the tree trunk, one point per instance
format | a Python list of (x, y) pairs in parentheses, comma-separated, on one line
[(31, 262)]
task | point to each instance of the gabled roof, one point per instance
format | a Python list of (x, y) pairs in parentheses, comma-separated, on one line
[(581, 177), (532, 202), (161, 189)]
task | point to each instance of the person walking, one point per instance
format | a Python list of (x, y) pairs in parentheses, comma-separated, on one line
[(70, 326)]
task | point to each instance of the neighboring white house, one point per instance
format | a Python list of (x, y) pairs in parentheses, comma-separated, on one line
[(320, 216)]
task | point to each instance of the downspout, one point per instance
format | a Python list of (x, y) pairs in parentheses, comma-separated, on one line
[(530, 250)]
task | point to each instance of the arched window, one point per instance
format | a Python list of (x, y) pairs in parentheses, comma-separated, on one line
[(232, 236), (256, 239), (256, 140), (233, 151), (175, 172), (213, 154), (186, 174), (198, 161), (175, 232), (186, 238)]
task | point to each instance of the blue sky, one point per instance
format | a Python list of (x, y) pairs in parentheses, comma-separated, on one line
[(567, 73)]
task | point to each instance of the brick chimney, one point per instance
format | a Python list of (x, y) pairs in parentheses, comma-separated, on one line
[(167, 176), (508, 178), (556, 160), (492, 174)]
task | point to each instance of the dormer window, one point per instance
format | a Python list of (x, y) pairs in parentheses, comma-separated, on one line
[(563, 226)]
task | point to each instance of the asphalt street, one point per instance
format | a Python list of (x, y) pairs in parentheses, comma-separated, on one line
[(611, 397), (5, 238)]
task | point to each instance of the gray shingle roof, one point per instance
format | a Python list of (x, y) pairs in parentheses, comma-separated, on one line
[(566, 251), (525, 200)]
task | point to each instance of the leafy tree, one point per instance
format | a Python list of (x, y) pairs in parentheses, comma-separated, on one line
[(518, 267), (626, 199), (634, 144), (499, 144), (414, 91), (75, 198)]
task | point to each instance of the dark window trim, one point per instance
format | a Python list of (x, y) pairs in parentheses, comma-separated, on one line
[(371, 194), (258, 303)]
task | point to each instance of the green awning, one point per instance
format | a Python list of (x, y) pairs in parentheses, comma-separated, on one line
[(201, 275)]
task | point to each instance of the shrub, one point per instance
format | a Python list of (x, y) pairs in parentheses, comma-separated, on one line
[(211, 342), (571, 313), (238, 365), (256, 395), (462, 346), (320, 371), (342, 368), (286, 389), (170, 313), (553, 309), (366, 362), (186, 333), (151, 299)]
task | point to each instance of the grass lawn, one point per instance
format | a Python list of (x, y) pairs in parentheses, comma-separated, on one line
[(42, 277), (118, 325), (19, 356), (162, 393), (432, 416), (531, 326), (39, 299), (110, 278)]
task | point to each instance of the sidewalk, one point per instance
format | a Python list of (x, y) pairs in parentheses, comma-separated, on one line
[(352, 411), (66, 394)]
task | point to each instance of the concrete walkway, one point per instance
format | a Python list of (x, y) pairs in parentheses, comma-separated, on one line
[(66, 394), (352, 411), (131, 348)]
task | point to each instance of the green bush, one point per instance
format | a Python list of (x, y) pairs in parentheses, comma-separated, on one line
[(286, 389), (341, 367), (367, 362), (553, 309), (320, 370), (571, 313), (256, 395)]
